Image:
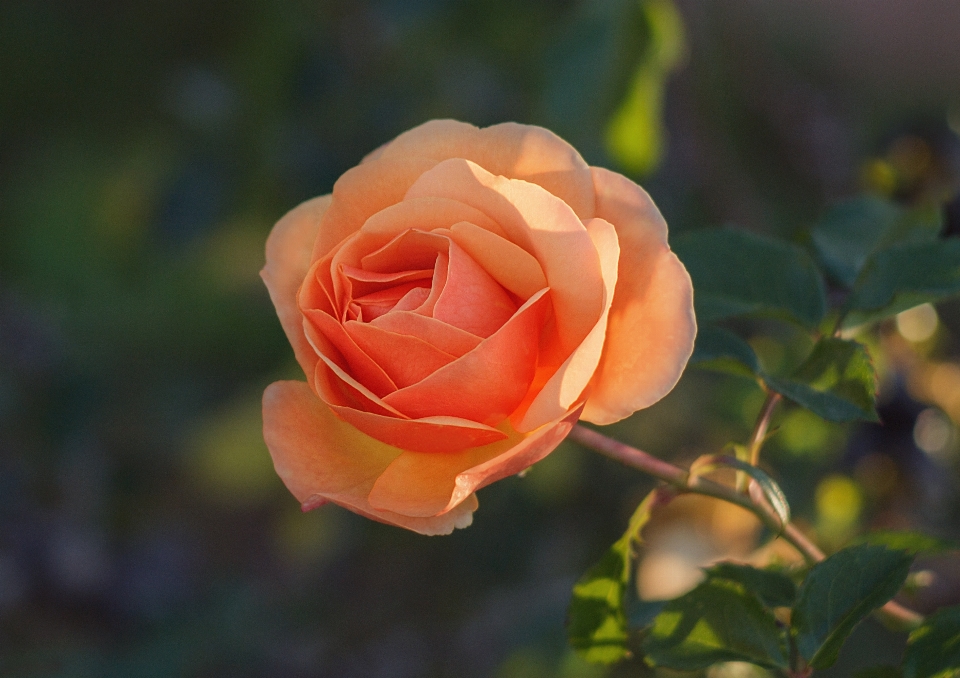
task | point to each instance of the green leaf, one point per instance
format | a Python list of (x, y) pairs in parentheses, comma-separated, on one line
[(837, 381), (839, 592), (903, 276), (879, 672), (911, 542), (933, 650), (774, 589), (723, 351), (851, 231), (769, 487), (635, 134), (718, 621), (596, 621), (738, 273)]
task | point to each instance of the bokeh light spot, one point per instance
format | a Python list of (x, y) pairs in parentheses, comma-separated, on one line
[(802, 432), (933, 432), (918, 323)]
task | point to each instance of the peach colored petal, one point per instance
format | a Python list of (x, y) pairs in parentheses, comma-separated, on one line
[(510, 265), (363, 191), (288, 261), (376, 304), (337, 388), (362, 366), (433, 435), (652, 327), (470, 299), (413, 248), (405, 359), (538, 222), (421, 484), (447, 338), (319, 458), (364, 282), (486, 384), (567, 384), (515, 151)]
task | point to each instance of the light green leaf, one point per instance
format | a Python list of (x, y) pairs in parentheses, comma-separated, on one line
[(739, 273), (911, 542), (837, 381), (774, 589), (635, 134), (839, 592), (596, 621), (723, 351), (903, 276), (769, 487), (933, 650), (718, 621)]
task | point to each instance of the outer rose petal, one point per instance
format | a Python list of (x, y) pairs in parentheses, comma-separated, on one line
[(419, 484), (288, 260), (511, 150), (320, 458), (652, 325)]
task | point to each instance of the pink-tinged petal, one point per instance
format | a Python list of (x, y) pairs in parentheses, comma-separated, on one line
[(652, 327), (512, 150), (486, 384), (411, 249), (425, 485), (364, 368), (363, 191), (470, 298), (337, 388), (510, 265), (415, 298), (375, 304), (538, 222), (321, 458), (366, 282), (447, 338), (405, 359), (433, 435), (288, 262), (567, 384)]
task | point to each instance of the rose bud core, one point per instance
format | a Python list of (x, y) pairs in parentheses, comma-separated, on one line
[(458, 302)]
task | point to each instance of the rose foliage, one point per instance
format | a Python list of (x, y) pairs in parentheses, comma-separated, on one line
[(458, 302)]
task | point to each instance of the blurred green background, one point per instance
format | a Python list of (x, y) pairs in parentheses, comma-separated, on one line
[(146, 149)]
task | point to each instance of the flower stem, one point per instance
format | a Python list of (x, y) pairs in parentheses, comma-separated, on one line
[(683, 482), (759, 433)]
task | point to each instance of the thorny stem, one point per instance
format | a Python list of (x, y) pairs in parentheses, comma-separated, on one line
[(683, 482)]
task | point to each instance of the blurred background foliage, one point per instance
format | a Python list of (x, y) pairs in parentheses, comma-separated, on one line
[(146, 148)]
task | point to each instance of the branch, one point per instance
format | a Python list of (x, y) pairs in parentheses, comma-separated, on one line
[(682, 480)]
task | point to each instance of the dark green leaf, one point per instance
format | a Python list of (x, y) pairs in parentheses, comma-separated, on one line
[(772, 491), (851, 231), (596, 620), (839, 592), (774, 589), (718, 621), (911, 542), (721, 350), (837, 381), (933, 650), (902, 276), (740, 273), (879, 672)]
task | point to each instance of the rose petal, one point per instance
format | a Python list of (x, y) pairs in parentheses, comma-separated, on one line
[(433, 435), (486, 384), (362, 366), (421, 484), (540, 223), (405, 359), (516, 151), (320, 457), (367, 282), (363, 191), (652, 327), (567, 384), (447, 338), (510, 265), (288, 261)]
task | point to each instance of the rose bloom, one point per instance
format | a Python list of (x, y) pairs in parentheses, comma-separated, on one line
[(462, 298)]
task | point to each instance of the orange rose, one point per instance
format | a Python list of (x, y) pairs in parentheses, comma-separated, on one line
[(458, 302)]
